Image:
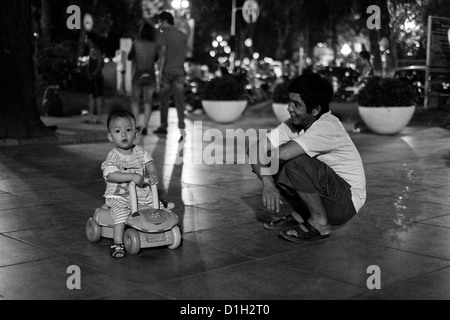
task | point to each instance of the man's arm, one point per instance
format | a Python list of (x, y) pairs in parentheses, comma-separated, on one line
[(161, 61), (271, 195), (290, 150)]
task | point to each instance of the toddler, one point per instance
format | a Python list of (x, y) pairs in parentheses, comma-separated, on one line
[(124, 164)]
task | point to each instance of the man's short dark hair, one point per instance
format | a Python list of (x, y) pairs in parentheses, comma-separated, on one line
[(314, 90), (119, 114), (166, 16)]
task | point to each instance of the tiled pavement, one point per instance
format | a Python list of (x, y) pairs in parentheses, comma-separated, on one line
[(49, 191)]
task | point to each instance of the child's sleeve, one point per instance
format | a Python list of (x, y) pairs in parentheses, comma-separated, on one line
[(109, 167), (147, 157)]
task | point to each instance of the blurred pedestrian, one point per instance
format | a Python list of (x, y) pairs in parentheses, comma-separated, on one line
[(173, 74), (95, 78), (145, 52), (366, 66)]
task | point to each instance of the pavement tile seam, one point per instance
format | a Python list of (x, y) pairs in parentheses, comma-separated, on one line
[(214, 271), (426, 222), (249, 263), (83, 267), (69, 257), (312, 273), (63, 254), (381, 227), (397, 283), (317, 243), (204, 272), (320, 274), (421, 200), (8, 233), (25, 262), (369, 241), (399, 221), (394, 283), (10, 236)]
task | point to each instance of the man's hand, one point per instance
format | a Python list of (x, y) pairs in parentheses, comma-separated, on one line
[(271, 198)]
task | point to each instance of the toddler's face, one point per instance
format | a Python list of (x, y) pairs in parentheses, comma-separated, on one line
[(122, 132)]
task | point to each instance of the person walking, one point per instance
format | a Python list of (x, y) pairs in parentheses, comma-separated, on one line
[(173, 73), (144, 53), (366, 66), (95, 78)]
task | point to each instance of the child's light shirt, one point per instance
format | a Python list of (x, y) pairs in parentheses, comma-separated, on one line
[(134, 163)]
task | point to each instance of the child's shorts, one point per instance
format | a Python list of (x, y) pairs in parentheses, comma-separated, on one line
[(120, 209)]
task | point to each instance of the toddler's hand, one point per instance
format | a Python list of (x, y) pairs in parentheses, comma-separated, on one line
[(152, 180), (138, 180)]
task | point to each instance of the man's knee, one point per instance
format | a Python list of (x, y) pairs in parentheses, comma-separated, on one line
[(296, 164)]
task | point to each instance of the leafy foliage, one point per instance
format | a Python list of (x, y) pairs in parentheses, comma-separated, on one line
[(386, 92), (225, 88), (55, 63)]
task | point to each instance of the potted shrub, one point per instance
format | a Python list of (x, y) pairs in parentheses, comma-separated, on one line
[(224, 99), (386, 105), (55, 66), (280, 100)]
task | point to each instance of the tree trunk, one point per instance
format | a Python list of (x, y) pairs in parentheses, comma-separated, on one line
[(19, 117), (46, 20)]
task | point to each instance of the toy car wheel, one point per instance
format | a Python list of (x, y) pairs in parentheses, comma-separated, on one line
[(93, 231), (176, 235), (132, 241)]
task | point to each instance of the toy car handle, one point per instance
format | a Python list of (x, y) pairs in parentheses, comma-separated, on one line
[(134, 200)]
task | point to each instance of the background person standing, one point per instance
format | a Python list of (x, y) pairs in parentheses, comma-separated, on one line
[(144, 54), (173, 74), (95, 83)]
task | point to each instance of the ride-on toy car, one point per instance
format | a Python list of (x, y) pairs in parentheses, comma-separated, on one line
[(146, 227)]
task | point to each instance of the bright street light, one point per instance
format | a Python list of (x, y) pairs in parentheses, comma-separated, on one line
[(180, 4), (346, 49)]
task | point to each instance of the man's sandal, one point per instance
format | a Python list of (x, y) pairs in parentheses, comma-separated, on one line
[(282, 223), (118, 251), (302, 233)]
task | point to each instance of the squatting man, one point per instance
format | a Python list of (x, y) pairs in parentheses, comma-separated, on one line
[(321, 173)]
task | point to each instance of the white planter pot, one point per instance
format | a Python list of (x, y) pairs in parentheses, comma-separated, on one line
[(386, 120), (224, 111), (281, 112)]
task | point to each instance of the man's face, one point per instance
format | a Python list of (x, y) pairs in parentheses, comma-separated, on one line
[(298, 112)]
